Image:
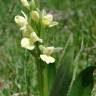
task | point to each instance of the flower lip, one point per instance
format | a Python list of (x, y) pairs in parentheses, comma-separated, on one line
[(29, 40), (47, 59), (25, 43)]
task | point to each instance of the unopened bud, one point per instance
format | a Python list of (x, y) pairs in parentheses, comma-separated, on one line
[(25, 3), (35, 15)]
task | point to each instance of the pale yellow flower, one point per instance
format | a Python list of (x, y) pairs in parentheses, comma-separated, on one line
[(47, 19), (25, 3), (34, 38), (29, 43), (46, 54), (21, 21)]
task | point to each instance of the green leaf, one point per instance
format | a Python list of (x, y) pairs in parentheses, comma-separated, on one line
[(83, 84), (64, 72)]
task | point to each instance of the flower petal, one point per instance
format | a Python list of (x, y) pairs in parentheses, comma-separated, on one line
[(25, 3), (47, 59), (21, 21), (48, 50), (53, 24), (47, 19), (35, 38), (25, 43)]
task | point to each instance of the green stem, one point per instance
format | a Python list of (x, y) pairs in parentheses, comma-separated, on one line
[(42, 78), (42, 74), (51, 75), (45, 81)]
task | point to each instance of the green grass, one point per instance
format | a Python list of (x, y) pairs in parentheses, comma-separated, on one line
[(76, 17)]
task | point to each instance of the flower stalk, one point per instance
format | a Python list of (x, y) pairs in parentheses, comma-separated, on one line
[(42, 79), (42, 74)]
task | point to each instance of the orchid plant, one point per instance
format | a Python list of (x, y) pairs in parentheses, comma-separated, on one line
[(32, 40)]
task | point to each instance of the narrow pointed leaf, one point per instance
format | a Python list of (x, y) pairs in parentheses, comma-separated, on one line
[(83, 83)]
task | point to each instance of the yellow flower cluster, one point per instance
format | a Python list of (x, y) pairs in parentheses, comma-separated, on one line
[(46, 19), (29, 36)]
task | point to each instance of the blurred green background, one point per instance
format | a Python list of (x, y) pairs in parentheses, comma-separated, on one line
[(76, 17)]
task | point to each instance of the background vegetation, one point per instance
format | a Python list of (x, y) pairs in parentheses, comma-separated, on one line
[(76, 33)]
